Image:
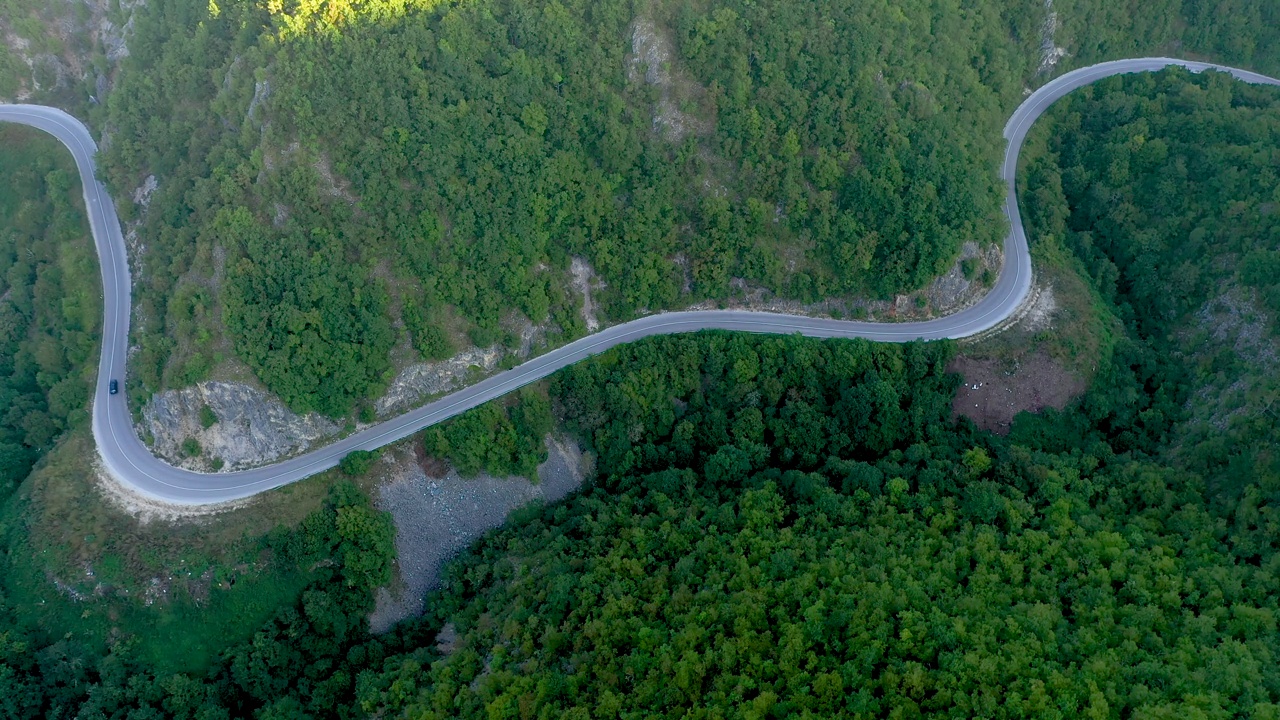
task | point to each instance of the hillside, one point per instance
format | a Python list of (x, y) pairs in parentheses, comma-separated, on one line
[(785, 527), (333, 192), (49, 319)]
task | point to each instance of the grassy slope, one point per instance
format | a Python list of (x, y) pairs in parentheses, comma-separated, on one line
[(180, 591), (70, 559), (1084, 328)]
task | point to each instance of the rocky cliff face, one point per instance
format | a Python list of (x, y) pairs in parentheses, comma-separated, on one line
[(247, 427), (422, 380), (222, 426), (66, 42)]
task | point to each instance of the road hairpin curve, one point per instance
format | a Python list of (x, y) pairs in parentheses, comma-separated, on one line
[(133, 465)]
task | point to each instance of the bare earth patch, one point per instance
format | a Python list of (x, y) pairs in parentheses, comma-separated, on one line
[(437, 517), (146, 509), (994, 391), (583, 279)]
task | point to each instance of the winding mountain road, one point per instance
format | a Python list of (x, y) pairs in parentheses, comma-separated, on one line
[(130, 462)]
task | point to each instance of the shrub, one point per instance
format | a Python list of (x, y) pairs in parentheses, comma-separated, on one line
[(358, 462)]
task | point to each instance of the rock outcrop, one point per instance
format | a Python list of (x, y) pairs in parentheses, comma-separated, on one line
[(422, 380), (251, 427)]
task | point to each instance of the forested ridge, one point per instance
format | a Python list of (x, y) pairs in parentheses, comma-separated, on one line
[(786, 527), (1165, 187), (430, 169), (49, 320), (804, 531), (782, 527)]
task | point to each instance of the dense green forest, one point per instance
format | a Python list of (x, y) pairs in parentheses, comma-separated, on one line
[(502, 438), (49, 318), (314, 648), (440, 163), (786, 527), (793, 526), (950, 575), (789, 527), (1166, 187)]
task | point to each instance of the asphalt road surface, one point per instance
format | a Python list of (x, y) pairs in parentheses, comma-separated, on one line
[(130, 462)]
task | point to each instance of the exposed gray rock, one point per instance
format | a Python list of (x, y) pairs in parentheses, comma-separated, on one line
[(1050, 53), (1039, 314), (261, 91), (952, 291), (583, 281), (653, 61), (437, 517), (48, 72), (74, 31), (142, 194), (114, 38), (423, 380), (1232, 319), (253, 427)]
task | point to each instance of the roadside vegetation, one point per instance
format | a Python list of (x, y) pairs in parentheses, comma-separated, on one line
[(820, 539), (49, 317), (333, 173), (1084, 325), (103, 574), (501, 438), (781, 526), (786, 526), (1164, 186)]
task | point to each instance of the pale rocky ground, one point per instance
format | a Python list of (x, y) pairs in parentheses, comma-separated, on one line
[(147, 510), (256, 428), (437, 517), (74, 30), (584, 279), (1040, 310), (651, 61), (1050, 53), (422, 380), (1236, 320), (949, 293), (953, 291), (253, 428)]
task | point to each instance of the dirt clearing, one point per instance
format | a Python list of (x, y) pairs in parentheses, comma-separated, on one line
[(995, 390)]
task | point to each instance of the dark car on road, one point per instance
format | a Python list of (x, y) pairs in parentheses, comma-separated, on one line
[(115, 387)]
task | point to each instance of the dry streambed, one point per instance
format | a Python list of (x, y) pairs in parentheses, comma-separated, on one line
[(437, 517)]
